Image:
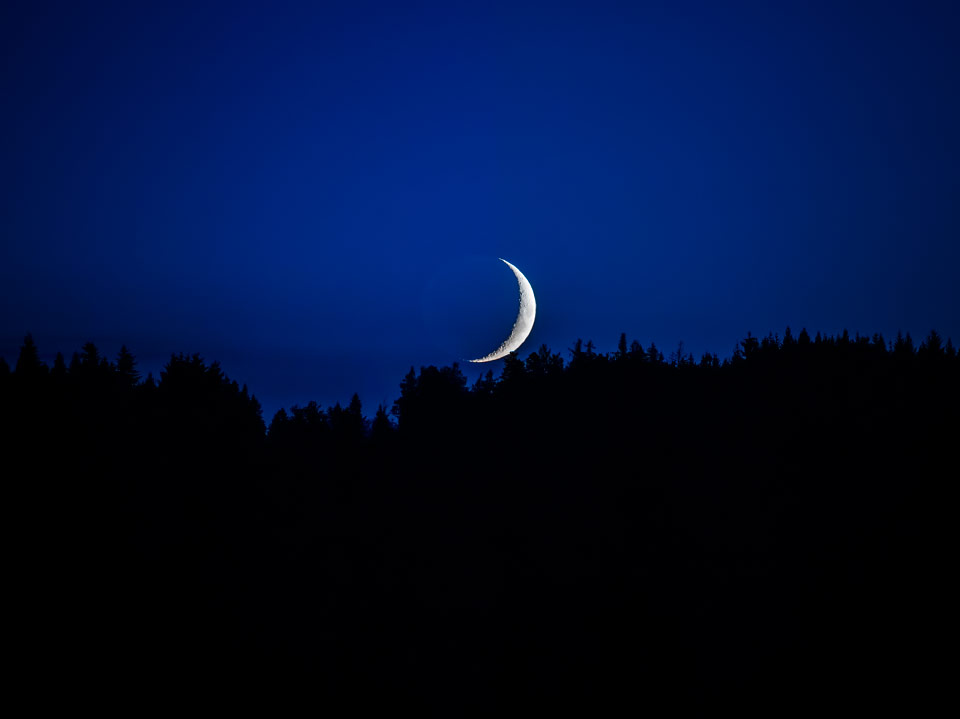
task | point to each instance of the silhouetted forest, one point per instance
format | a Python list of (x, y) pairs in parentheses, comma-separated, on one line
[(584, 532)]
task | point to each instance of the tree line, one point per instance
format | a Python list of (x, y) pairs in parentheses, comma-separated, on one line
[(582, 530), (94, 380)]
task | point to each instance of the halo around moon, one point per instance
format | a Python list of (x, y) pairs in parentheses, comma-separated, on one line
[(522, 325)]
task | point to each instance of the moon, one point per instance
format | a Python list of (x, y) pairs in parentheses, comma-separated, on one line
[(522, 325)]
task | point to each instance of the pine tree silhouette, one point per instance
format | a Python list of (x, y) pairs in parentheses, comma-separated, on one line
[(127, 367), (89, 357), (654, 356), (544, 363), (514, 371), (408, 394), (485, 384), (749, 346), (29, 367), (932, 347), (622, 347)]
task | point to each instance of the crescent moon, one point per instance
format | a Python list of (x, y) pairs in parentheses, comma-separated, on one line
[(522, 325)]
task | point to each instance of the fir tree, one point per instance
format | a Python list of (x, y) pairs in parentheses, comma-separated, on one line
[(127, 367), (879, 344), (622, 346), (932, 346), (903, 346), (278, 423), (485, 384), (654, 356), (354, 423), (677, 357), (543, 363), (576, 352), (29, 365), (89, 357), (788, 340), (408, 392), (514, 371)]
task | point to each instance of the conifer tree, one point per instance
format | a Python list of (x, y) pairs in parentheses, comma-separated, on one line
[(576, 352), (879, 344), (354, 423), (277, 424), (750, 345), (543, 363), (89, 356), (355, 407), (654, 356), (514, 370), (788, 340), (127, 367), (622, 346), (932, 346), (677, 357), (257, 409), (408, 391), (29, 365), (484, 385)]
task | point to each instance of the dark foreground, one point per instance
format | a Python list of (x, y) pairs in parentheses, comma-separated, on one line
[(610, 534)]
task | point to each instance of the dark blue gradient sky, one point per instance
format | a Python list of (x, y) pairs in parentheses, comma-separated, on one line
[(316, 194)]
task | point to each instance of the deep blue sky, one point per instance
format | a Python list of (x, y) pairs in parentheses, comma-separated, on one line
[(316, 194)]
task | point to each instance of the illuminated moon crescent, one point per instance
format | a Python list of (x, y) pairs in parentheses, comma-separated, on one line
[(523, 325)]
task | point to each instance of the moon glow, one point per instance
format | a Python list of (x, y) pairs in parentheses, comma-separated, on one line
[(522, 325)]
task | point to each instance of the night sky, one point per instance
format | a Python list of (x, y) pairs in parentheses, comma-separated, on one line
[(316, 195)]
